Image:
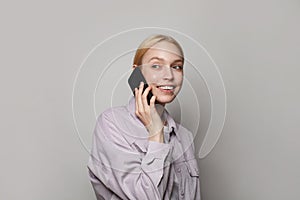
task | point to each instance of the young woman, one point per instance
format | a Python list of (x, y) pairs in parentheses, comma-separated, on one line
[(139, 151)]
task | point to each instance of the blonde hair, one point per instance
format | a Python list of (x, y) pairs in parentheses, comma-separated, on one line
[(151, 41)]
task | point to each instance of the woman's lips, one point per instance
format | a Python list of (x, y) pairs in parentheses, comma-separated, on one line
[(167, 89)]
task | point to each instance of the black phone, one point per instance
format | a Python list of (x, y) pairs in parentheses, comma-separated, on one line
[(135, 79)]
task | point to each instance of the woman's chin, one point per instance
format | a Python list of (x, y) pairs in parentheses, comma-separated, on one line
[(165, 99)]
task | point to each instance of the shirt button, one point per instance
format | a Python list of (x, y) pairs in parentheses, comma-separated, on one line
[(178, 170)]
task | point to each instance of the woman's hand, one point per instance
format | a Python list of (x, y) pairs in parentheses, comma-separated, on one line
[(148, 114)]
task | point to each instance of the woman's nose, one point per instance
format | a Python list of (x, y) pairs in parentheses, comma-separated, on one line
[(168, 73)]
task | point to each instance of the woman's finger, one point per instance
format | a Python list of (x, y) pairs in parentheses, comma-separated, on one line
[(152, 102), (136, 101), (139, 97), (144, 97)]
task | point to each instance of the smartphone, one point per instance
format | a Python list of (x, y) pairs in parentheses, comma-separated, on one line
[(134, 81)]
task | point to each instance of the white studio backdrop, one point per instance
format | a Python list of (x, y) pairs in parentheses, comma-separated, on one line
[(255, 45)]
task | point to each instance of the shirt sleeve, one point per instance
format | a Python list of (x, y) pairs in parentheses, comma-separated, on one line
[(127, 173)]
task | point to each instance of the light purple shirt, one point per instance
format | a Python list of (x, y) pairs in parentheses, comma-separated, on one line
[(124, 165)]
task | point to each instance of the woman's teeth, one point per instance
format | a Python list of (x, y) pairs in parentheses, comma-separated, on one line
[(167, 87)]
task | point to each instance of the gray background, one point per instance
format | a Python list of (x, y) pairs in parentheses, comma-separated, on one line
[(255, 44)]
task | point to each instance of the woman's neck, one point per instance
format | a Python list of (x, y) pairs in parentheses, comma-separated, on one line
[(160, 109)]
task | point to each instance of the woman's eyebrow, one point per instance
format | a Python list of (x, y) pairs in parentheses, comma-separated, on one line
[(161, 59), (156, 58)]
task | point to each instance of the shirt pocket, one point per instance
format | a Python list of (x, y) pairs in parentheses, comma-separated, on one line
[(192, 167)]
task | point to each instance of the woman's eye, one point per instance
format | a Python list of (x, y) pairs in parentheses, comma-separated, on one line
[(177, 67), (155, 66)]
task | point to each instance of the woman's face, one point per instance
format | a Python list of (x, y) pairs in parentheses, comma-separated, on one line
[(162, 67)]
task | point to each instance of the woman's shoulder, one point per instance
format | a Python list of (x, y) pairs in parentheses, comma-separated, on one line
[(114, 118), (113, 113)]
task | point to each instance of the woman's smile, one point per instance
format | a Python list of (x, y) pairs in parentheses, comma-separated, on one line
[(167, 89)]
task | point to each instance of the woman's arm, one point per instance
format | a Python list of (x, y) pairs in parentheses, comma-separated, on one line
[(127, 173)]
